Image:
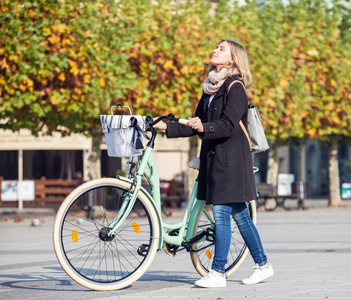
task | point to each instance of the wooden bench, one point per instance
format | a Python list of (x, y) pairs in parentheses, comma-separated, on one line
[(267, 192), (49, 193)]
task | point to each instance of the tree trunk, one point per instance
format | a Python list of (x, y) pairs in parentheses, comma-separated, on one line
[(192, 174), (92, 157), (333, 168), (272, 173)]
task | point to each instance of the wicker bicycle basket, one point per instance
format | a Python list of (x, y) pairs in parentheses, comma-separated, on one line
[(120, 134)]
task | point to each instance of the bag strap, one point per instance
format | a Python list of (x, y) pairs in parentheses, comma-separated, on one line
[(241, 123)]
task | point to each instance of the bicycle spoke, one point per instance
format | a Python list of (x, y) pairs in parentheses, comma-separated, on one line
[(86, 243)]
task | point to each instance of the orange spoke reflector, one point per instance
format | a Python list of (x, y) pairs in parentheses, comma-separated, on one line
[(208, 254), (136, 227), (74, 236)]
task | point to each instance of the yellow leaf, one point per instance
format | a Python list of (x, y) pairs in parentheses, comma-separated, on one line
[(61, 27), (62, 77), (31, 13), (143, 66), (87, 78), (312, 131), (274, 131), (168, 64), (336, 120), (133, 55), (333, 82), (46, 31), (66, 42), (78, 91), (283, 83), (54, 101), (185, 70), (54, 39), (74, 68), (22, 87), (13, 58), (102, 82)]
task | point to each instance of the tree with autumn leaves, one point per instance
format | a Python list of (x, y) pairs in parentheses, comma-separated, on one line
[(323, 54), (300, 53), (63, 63), (319, 100)]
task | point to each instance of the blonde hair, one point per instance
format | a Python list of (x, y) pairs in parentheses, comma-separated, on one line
[(239, 65)]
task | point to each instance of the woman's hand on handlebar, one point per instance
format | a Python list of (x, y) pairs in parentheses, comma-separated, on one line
[(160, 125), (194, 123)]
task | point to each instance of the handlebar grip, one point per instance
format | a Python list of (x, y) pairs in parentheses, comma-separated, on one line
[(183, 121)]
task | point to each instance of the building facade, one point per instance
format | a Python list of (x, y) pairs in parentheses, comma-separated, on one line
[(23, 156)]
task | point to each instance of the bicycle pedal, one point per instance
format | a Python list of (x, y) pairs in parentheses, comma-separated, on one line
[(143, 249), (165, 248)]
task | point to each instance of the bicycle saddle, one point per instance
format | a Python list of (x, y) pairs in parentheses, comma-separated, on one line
[(195, 163)]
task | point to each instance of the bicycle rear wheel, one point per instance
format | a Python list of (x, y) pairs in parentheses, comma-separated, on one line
[(202, 260), (83, 247)]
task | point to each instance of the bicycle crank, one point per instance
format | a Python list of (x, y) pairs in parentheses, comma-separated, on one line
[(208, 234)]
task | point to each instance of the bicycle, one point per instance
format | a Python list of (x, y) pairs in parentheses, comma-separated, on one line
[(107, 231)]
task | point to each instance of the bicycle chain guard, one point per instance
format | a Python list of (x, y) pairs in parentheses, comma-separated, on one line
[(171, 249)]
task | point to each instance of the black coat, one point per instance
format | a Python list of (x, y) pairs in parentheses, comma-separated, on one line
[(226, 171)]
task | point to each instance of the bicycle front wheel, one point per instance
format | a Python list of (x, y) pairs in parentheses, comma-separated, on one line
[(88, 253), (202, 259)]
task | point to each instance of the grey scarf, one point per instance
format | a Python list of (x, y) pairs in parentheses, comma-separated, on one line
[(214, 81)]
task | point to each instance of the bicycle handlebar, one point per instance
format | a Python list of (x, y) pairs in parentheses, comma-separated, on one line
[(170, 117), (150, 123)]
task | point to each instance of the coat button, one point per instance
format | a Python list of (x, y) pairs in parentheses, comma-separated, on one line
[(214, 109), (211, 128), (212, 153)]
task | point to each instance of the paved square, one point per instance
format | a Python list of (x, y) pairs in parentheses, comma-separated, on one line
[(310, 251)]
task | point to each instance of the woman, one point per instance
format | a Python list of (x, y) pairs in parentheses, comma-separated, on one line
[(226, 172)]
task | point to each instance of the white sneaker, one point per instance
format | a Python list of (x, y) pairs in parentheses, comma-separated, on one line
[(259, 274), (212, 279)]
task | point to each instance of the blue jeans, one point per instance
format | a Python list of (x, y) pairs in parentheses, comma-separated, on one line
[(222, 215)]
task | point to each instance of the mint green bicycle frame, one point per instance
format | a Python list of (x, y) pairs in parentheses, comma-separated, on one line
[(148, 168)]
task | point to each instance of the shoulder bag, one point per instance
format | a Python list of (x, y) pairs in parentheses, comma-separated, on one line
[(254, 133)]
